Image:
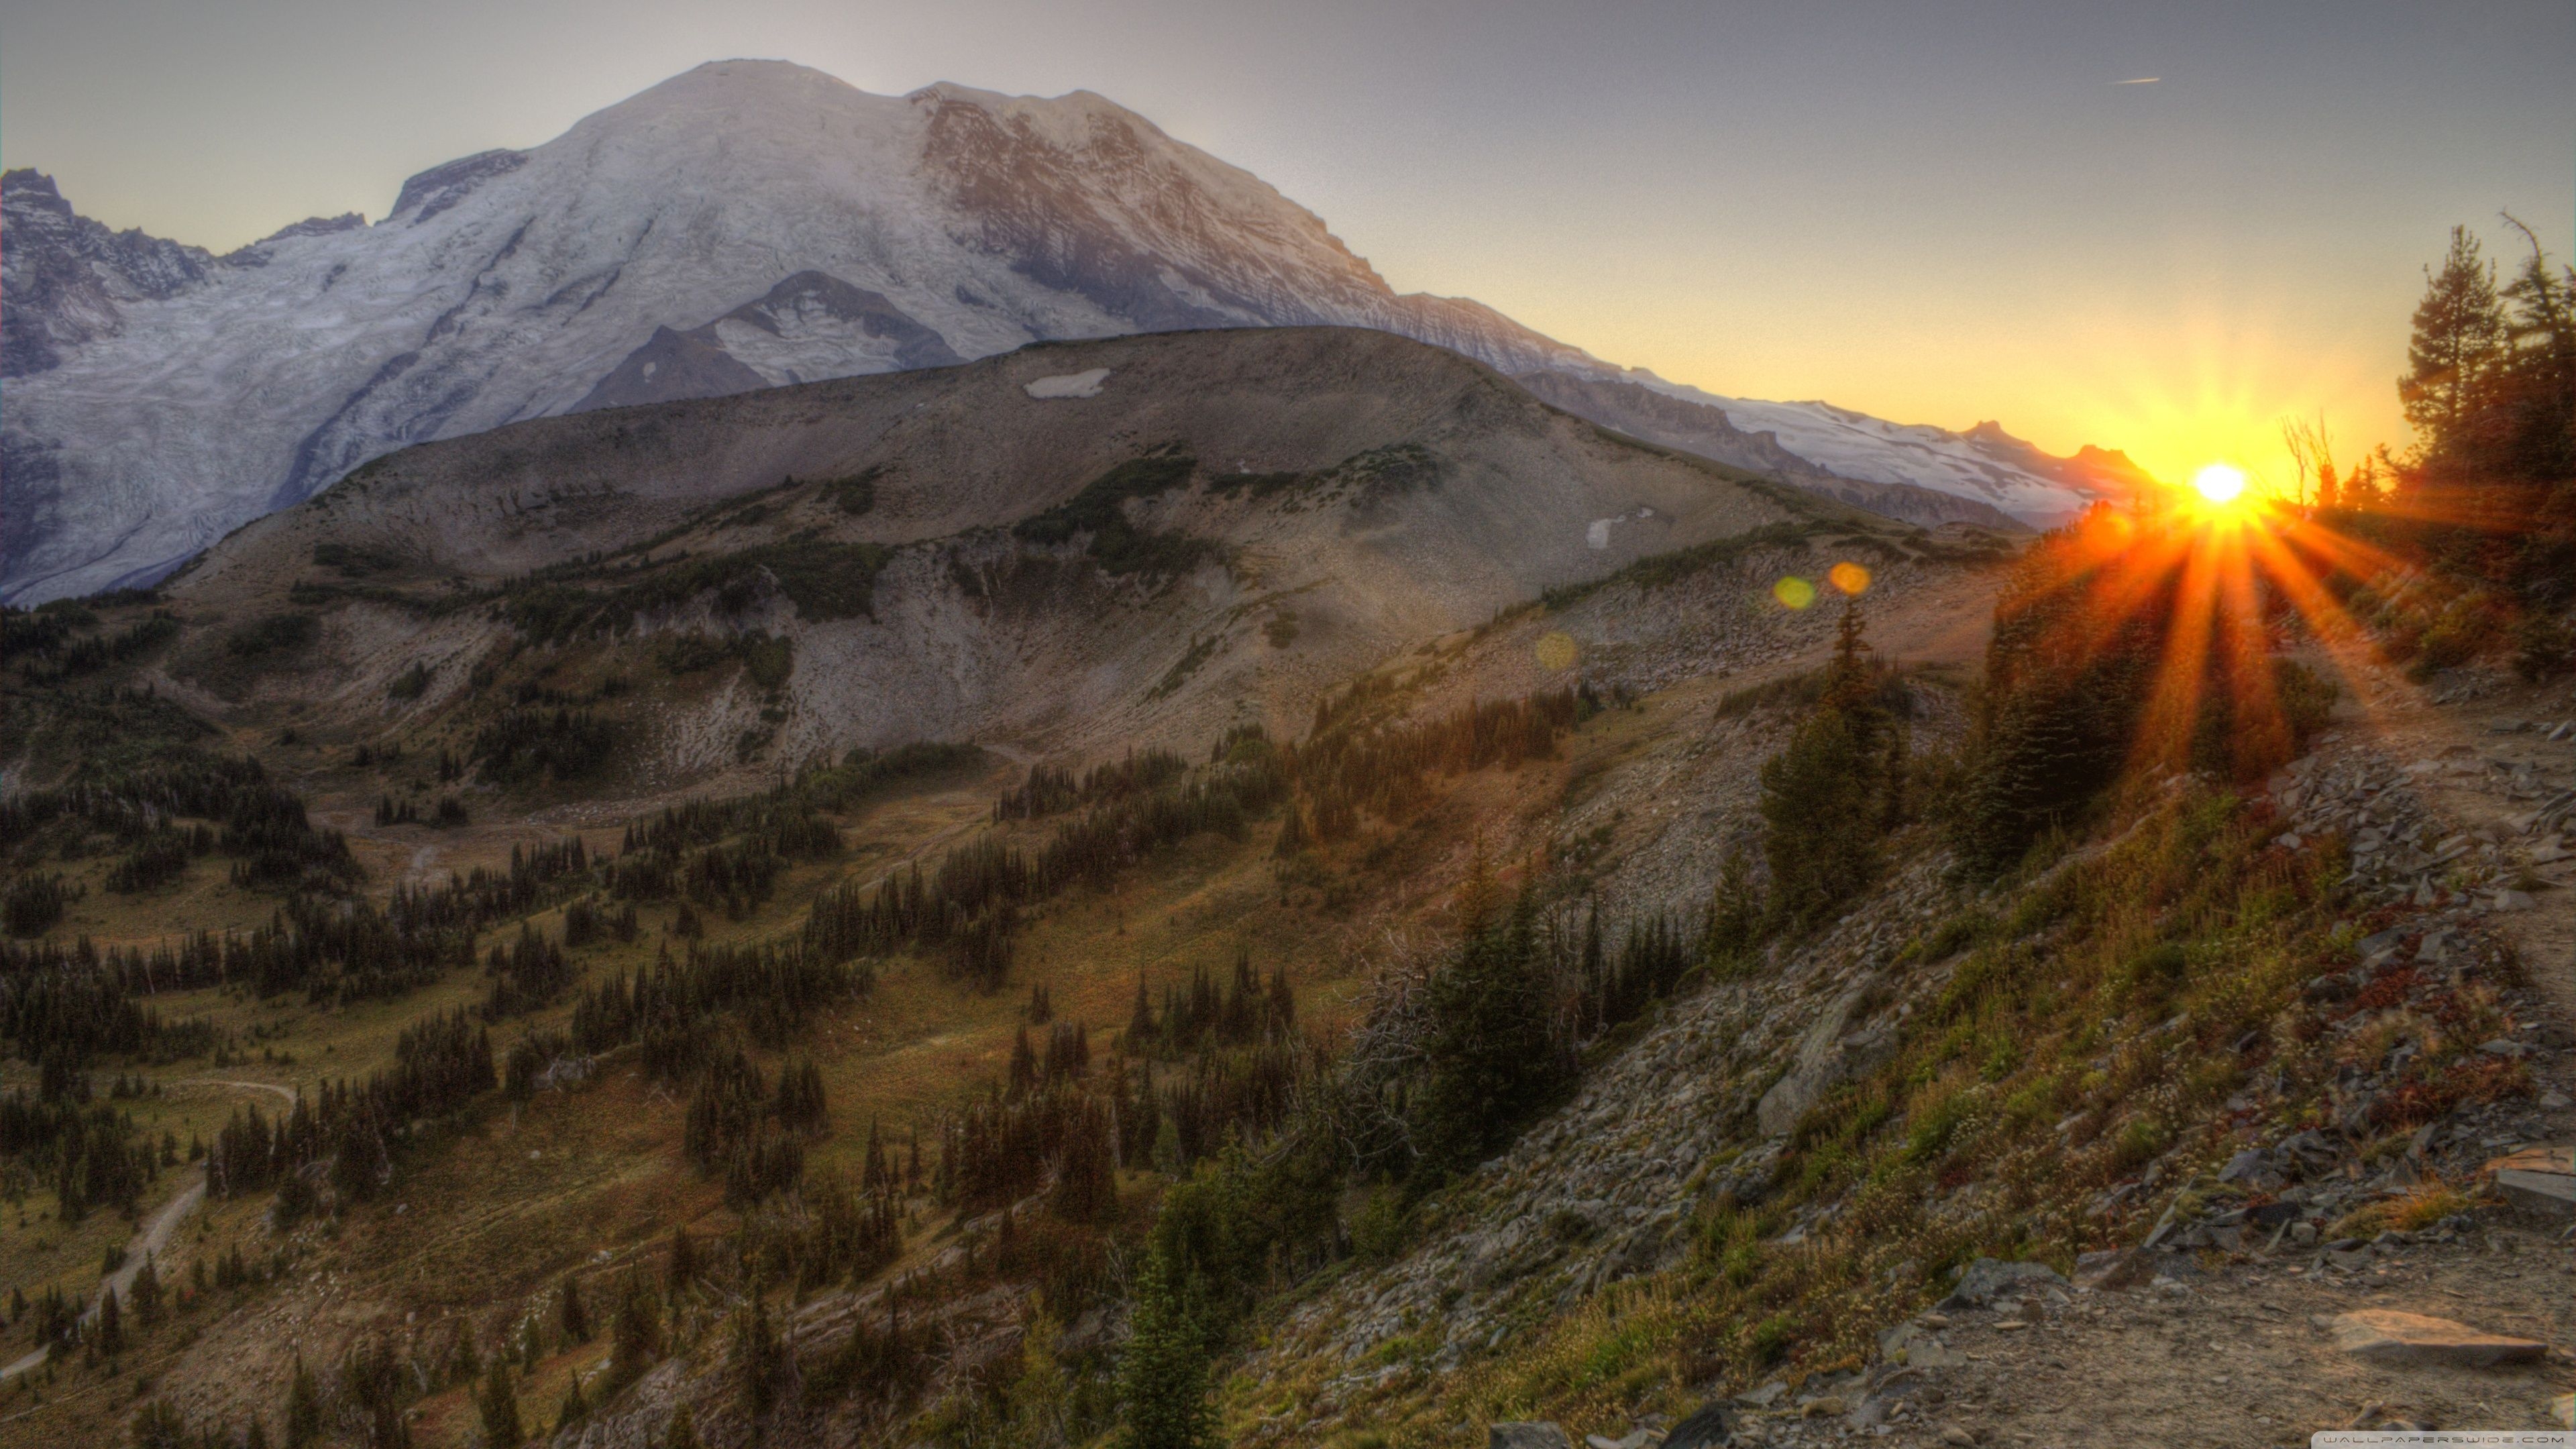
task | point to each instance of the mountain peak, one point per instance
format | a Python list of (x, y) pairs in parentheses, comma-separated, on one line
[(746, 222)]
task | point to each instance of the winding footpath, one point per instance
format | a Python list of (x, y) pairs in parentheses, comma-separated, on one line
[(155, 1233)]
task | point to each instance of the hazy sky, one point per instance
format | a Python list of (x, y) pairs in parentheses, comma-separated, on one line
[(1936, 213)]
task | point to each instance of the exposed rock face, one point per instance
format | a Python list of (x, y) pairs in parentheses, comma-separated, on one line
[(67, 277), (809, 327), (670, 367), (1828, 1056)]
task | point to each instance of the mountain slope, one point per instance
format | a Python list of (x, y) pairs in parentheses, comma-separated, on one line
[(1704, 428), (1984, 463), (748, 221), (1057, 549)]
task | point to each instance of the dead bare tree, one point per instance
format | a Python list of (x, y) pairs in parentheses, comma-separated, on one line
[(2311, 456)]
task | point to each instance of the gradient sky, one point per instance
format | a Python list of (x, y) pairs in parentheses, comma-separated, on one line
[(1931, 212)]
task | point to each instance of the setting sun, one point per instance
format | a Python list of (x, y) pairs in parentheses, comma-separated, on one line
[(2219, 483)]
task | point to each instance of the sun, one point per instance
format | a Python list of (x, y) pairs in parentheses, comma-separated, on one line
[(2219, 484)]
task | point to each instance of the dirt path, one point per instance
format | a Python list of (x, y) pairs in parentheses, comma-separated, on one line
[(284, 1094), (2489, 766), (2240, 1358), (147, 1244), (154, 1236)]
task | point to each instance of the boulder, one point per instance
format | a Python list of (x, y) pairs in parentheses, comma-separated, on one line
[(1711, 1427), (1541, 1435), (1827, 1057), (2413, 1340), (2537, 1180), (2116, 1268), (1912, 1345), (1988, 1279)]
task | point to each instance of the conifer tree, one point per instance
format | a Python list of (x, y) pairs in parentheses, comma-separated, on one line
[(635, 1333), (574, 1409), (1163, 1376), (303, 1408), (498, 1405), (1817, 812), (2459, 341), (146, 1293), (572, 1321), (1488, 1055), (1735, 913), (680, 1268)]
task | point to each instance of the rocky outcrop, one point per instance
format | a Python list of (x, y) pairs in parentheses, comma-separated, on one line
[(65, 276), (1831, 1053)]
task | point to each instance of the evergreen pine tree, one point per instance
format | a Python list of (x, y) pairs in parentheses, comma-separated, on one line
[(1820, 819), (683, 1433), (146, 1293), (498, 1405), (1735, 913), (2458, 343), (1163, 1376), (303, 1408), (1488, 1057), (680, 1269), (572, 1321)]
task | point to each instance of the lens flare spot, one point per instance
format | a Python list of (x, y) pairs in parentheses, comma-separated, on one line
[(1849, 577), (1794, 592), (2219, 483), (1557, 651)]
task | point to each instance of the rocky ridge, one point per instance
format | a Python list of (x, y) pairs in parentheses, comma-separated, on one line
[(1694, 1109)]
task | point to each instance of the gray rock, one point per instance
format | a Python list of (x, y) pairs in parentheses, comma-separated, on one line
[(1827, 1056), (2116, 1268), (1712, 1426), (2245, 1164), (1988, 1279), (2544, 1194), (1765, 1396), (1911, 1345), (1539, 1435), (2385, 1336)]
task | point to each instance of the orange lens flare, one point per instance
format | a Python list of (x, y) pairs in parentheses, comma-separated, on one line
[(1849, 577)]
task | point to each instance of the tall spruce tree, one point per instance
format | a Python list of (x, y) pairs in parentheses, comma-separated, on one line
[(1163, 1376), (303, 1427), (2458, 346), (498, 1406), (1489, 1058)]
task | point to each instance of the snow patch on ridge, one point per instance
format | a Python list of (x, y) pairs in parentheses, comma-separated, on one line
[(1071, 384)]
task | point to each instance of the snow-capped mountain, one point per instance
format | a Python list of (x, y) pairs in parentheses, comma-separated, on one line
[(748, 223)]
